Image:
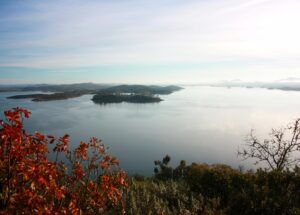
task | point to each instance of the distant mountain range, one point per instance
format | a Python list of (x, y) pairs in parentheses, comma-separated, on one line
[(290, 84), (54, 88)]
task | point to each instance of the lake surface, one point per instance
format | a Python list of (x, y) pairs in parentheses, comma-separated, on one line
[(199, 124)]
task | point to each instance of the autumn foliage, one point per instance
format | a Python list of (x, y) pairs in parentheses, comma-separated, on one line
[(85, 180)]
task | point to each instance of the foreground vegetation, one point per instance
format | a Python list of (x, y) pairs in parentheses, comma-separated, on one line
[(30, 183), (214, 189), (87, 180)]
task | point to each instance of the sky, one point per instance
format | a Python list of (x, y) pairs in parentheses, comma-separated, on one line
[(154, 41)]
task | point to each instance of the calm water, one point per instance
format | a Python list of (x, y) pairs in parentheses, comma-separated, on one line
[(201, 124)]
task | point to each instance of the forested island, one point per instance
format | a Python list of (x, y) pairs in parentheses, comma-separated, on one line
[(48, 97), (102, 93), (118, 98), (133, 94)]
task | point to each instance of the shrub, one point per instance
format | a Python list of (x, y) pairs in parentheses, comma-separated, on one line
[(30, 183), (261, 192), (215, 180)]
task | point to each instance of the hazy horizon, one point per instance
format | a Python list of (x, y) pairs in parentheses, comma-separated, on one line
[(288, 80)]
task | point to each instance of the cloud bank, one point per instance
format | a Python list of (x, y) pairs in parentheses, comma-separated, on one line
[(208, 40)]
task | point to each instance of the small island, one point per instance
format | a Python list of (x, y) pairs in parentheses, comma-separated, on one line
[(48, 97), (131, 98), (133, 94)]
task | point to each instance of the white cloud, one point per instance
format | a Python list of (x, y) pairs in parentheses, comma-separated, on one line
[(90, 33)]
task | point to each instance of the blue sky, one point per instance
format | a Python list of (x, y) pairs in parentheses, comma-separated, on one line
[(157, 41)]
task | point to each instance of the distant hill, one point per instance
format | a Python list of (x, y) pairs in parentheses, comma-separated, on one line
[(142, 89), (54, 88), (65, 87)]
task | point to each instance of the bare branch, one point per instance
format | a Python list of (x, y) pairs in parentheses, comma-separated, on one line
[(278, 151)]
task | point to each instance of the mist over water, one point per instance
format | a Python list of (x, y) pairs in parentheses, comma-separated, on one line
[(197, 124)]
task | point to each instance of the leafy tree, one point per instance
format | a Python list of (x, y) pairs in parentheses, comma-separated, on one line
[(278, 152), (163, 170)]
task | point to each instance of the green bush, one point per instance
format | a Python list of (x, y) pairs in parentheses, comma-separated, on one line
[(261, 192)]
